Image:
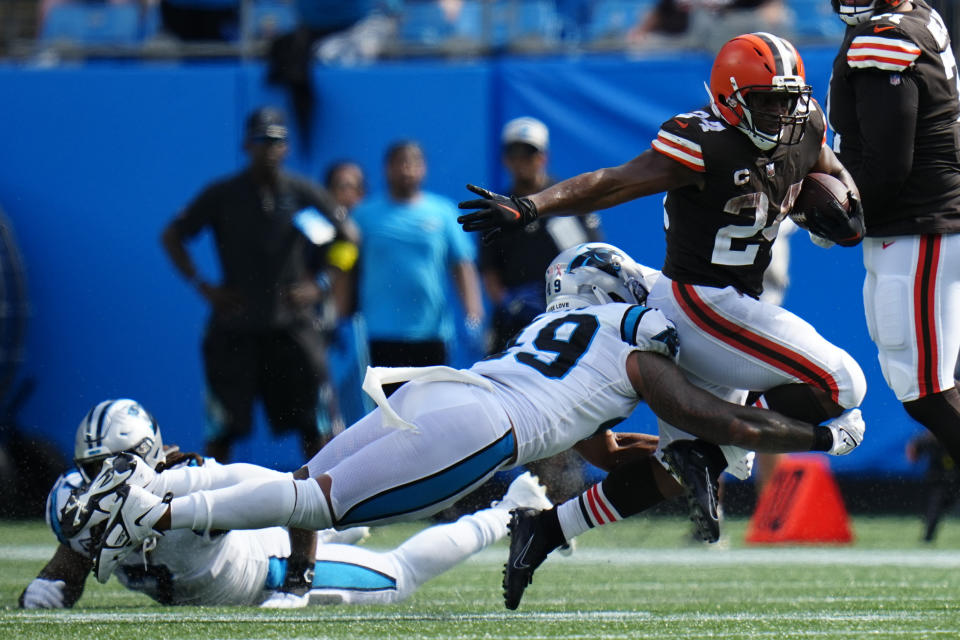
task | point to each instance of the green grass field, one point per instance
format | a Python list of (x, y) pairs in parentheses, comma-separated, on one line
[(632, 580)]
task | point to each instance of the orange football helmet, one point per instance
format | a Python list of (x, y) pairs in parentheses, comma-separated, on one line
[(757, 84)]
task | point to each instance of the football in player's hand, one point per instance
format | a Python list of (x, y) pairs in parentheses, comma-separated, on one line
[(818, 191), (826, 208)]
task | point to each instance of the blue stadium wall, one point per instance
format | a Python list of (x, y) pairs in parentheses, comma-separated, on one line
[(98, 157)]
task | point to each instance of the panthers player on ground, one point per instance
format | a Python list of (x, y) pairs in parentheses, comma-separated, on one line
[(239, 567), (905, 157), (570, 375), (731, 172)]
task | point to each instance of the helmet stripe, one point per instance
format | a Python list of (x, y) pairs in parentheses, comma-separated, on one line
[(784, 55), (88, 422), (103, 416)]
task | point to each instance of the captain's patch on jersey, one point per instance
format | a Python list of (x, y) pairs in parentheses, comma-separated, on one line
[(887, 54)]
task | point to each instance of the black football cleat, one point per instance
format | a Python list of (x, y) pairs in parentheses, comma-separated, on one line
[(697, 465), (530, 542)]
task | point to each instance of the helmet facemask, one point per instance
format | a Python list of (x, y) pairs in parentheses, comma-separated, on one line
[(855, 12), (772, 115)]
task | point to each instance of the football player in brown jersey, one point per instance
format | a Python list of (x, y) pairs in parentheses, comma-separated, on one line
[(905, 158), (731, 171)]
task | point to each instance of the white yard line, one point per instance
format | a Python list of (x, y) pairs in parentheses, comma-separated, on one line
[(773, 556), (705, 557)]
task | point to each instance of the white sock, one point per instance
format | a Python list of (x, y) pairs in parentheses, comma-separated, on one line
[(185, 480), (442, 547), (249, 505), (590, 509), (572, 522), (310, 510)]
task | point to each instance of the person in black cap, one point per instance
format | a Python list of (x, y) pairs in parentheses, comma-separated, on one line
[(276, 235)]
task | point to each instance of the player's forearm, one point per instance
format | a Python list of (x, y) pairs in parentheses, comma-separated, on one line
[(668, 393), (650, 172), (769, 432), (581, 194), (60, 583)]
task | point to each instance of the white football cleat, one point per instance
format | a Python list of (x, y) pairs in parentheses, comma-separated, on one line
[(136, 511), (525, 491), (847, 430), (286, 600), (98, 501)]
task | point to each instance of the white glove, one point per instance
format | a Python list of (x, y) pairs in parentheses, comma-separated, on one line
[(847, 430), (43, 594), (657, 334), (820, 241)]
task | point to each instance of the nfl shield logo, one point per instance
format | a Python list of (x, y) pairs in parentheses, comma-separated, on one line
[(770, 170)]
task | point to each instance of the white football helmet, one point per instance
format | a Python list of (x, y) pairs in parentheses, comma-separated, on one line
[(596, 273), (112, 427)]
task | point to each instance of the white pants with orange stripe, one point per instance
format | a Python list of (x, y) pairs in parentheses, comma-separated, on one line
[(911, 296), (731, 343)]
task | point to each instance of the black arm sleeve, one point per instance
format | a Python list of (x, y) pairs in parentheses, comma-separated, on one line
[(887, 111)]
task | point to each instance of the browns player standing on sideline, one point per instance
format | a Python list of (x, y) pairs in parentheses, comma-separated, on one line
[(731, 170), (905, 158)]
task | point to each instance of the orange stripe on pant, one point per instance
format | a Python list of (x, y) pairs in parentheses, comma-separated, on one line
[(741, 338)]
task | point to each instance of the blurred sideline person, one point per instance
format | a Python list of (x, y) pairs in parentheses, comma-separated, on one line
[(346, 182), (731, 171), (905, 158), (941, 479), (447, 431), (411, 246), (276, 233), (240, 567)]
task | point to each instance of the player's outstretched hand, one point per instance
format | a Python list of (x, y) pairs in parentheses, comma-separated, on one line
[(494, 212)]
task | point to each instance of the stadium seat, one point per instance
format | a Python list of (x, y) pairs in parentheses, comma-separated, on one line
[(424, 23), (270, 18), (814, 20), (528, 24), (612, 19), (470, 24), (92, 24), (150, 25)]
